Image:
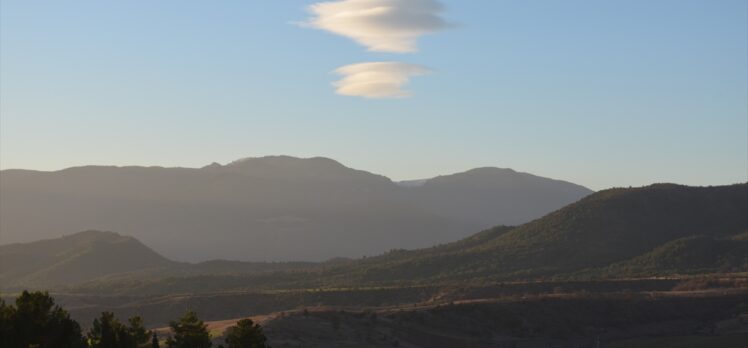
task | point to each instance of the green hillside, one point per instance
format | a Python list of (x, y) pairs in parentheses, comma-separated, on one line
[(618, 224), (606, 228), (690, 255)]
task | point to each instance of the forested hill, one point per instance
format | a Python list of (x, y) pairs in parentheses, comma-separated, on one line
[(603, 229)]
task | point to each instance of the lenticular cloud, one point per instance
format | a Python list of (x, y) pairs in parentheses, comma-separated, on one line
[(380, 25), (377, 80)]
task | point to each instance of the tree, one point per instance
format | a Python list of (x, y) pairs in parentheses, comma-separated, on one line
[(245, 334), (105, 332), (37, 321), (108, 332), (189, 332), (6, 324), (137, 331)]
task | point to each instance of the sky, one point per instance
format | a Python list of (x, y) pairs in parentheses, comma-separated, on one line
[(600, 93)]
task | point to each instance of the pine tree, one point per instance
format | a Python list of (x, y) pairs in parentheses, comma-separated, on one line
[(245, 334), (137, 331), (105, 332), (108, 332), (37, 321), (189, 332)]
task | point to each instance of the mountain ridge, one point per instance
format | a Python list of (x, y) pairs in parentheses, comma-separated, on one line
[(277, 208)]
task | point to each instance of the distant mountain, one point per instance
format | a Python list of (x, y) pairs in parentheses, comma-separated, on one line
[(412, 183), (471, 196), (75, 258), (271, 208)]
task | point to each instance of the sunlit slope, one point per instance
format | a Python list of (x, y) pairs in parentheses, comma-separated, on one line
[(602, 229), (75, 258)]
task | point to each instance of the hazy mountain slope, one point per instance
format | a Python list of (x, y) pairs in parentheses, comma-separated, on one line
[(471, 196), (108, 257), (259, 209), (75, 258)]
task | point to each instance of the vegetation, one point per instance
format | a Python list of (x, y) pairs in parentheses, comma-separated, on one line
[(189, 332), (246, 334), (690, 255), (36, 321), (542, 319), (547, 320), (108, 332)]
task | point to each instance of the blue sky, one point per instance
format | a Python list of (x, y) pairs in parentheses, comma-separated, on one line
[(601, 93)]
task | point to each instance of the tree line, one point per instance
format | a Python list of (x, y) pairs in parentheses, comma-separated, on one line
[(36, 321)]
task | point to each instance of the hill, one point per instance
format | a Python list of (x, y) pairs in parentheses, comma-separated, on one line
[(690, 255), (605, 228), (271, 208), (75, 258)]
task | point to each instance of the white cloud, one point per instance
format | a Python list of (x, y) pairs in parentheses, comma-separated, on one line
[(380, 25), (378, 80)]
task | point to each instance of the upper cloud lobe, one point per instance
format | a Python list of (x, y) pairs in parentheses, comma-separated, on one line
[(380, 25), (377, 80)]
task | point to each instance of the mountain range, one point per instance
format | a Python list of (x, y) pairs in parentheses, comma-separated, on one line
[(271, 208), (657, 230)]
